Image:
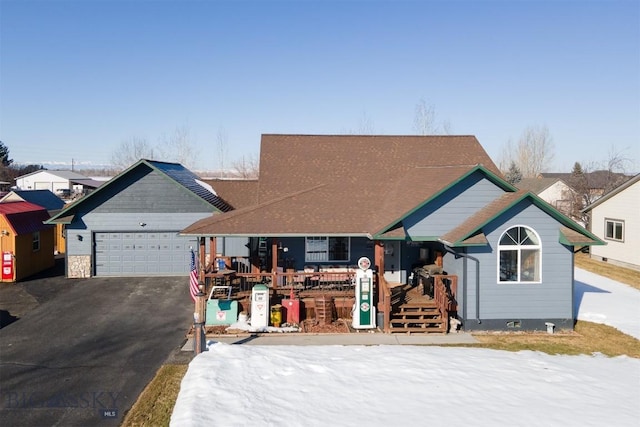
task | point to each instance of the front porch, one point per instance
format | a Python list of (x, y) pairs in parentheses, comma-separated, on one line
[(424, 306)]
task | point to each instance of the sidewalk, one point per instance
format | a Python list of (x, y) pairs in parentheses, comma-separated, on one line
[(360, 338)]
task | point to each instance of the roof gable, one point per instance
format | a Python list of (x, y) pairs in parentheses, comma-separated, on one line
[(174, 174), (43, 198), (613, 193), (442, 180), (462, 235), (24, 217)]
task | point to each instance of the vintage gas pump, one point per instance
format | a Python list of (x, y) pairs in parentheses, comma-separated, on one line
[(364, 311), (7, 266), (260, 306)]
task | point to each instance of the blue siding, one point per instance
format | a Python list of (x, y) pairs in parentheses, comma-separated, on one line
[(233, 246), (360, 247), (453, 207), (550, 299), (146, 191)]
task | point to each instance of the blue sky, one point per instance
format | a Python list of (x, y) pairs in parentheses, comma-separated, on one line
[(79, 77)]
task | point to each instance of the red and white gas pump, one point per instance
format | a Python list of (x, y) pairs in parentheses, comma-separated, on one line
[(7, 266)]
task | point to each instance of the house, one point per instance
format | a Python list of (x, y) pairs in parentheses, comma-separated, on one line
[(554, 191), (615, 218), (432, 213), (62, 182), (129, 226), (46, 199), (26, 242), (593, 184)]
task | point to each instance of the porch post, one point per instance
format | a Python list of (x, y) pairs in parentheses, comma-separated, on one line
[(203, 256), (213, 246), (274, 262), (378, 255)]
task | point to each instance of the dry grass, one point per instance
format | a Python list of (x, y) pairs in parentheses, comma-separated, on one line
[(614, 272), (155, 405), (587, 338)]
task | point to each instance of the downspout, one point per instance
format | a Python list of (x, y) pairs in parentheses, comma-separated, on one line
[(467, 256)]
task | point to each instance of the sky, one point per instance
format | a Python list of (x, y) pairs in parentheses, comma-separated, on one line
[(79, 78), (246, 385)]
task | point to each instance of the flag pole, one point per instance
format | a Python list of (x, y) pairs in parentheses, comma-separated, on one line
[(199, 322)]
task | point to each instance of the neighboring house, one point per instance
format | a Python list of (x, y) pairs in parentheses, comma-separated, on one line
[(407, 201), (66, 184), (46, 199), (129, 226), (554, 191), (615, 218), (25, 240), (597, 182)]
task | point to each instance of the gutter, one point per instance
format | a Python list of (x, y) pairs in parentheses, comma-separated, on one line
[(467, 256)]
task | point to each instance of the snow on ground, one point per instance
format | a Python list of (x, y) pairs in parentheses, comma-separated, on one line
[(602, 300), (235, 385)]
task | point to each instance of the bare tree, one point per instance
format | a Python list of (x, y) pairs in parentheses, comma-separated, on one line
[(532, 153), (221, 147), (424, 120), (246, 167), (130, 151), (592, 181), (365, 126), (178, 147)]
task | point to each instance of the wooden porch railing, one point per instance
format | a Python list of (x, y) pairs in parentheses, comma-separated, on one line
[(445, 289), (282, 282), (385, 303)]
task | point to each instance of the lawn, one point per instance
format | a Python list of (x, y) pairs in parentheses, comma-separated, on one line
[(155, 405)]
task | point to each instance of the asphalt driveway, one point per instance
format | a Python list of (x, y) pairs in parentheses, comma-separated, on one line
[(79, 352)]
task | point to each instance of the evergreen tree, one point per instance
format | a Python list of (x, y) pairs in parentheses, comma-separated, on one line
[(4, 155), (513, 175)]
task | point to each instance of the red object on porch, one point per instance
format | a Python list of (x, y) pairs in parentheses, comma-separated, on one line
[(292, 307)]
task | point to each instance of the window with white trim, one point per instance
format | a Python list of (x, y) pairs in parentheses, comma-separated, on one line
[(327, 249), (36, 241), (519, 256), (614, 229)]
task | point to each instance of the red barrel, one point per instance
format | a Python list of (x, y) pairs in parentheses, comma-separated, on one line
[(292, 307)]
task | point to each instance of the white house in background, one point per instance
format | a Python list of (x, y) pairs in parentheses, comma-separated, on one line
[(62, 183), (553, 190), (615, 218)]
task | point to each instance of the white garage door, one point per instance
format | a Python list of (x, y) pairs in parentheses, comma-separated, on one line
[(142, 254)]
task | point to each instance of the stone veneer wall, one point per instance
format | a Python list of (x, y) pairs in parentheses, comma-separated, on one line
[(79, 266)]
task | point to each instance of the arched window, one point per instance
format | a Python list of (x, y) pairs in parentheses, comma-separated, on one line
[(519, 256)]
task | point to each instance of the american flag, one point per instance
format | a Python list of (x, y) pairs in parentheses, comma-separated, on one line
[(193, 276)]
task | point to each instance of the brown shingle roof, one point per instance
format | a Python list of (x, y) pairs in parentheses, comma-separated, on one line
[(576, 238), (236, 192), (347, 184), (536, 185)]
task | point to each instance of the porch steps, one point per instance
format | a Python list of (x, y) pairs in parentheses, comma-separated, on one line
[(417, 317)]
